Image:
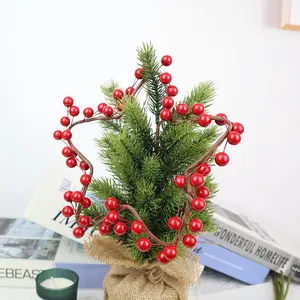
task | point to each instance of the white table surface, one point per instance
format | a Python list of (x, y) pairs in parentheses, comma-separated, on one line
[(259, 292)]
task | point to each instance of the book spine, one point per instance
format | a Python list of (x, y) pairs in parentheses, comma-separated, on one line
[(256, 249)]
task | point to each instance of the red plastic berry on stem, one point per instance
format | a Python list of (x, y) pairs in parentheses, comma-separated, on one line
[(198, 109), (167, 102), (66, 134), (189, 241), (88, 112), (203, 192), (238, 127), (84, 166), (196, 180), (68, 196), (204, 120), (165, 78), (77, 196), (71, 162), (144, 244), (233, 138), (221, 122), (68, 101), (138, 73), (78, 232), (166, 60), (106, 222), (107, 111), (67, 151), (180, 181), (137, 227), (74, 111), (120, 228), (204, 169), (174, 223), (172, 90), (222, 159), (85, 202), (129, 91), (65, 121), (104, 229), (195, 225), (198, 204), (57, 134), (170, 252), (113, 216), (182, 109), (166, 114), (85, 179), (118, 94), (111, 203), (68, 211), (161, 257), (84, 221), (101, 106)]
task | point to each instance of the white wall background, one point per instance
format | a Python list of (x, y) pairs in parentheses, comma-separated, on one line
[(50, 49)]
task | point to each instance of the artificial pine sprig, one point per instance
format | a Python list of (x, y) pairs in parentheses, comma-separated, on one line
[(281, 285)]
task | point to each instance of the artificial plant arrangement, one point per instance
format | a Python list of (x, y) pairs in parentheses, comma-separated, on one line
[(158, 197)]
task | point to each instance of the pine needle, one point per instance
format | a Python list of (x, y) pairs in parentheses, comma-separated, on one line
[(281, 286)]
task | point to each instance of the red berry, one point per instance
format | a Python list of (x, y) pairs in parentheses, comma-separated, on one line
[(85, 179), (203, 192), (165, 78), (66, 135), (65, 121), (180, 181), (111, 203), (84, 166), (238, 127), (137, 227), (144, 244), (107, 111), (189, 241), (170, 252), (71, 162), (85, 202), (106, 222), (88, 112), (57, 134), (221, 122), (204, 169), (120, 228), (68, 196), (196, 180), (118, 94), (78, 232), (67, 211), (67, 151), (204, 120), (182, 109), (198, 204), (129, 91), (101, 106), (195, 225), (74, 111), (166, 60), (77, 196), (161, 257), (166, 114), (174, 223), (138, 73), (233, 138), (68, 101), (198, 109), (167, 102), (222, 159), (113, 216), (104, 230), (172, 90), (84, 221)]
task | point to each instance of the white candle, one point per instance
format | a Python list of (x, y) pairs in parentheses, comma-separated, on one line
[(57, 283)]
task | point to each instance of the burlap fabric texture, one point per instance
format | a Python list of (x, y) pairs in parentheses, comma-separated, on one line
[(130, 280)]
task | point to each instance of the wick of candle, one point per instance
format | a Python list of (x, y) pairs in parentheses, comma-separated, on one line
[(54, 283)]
